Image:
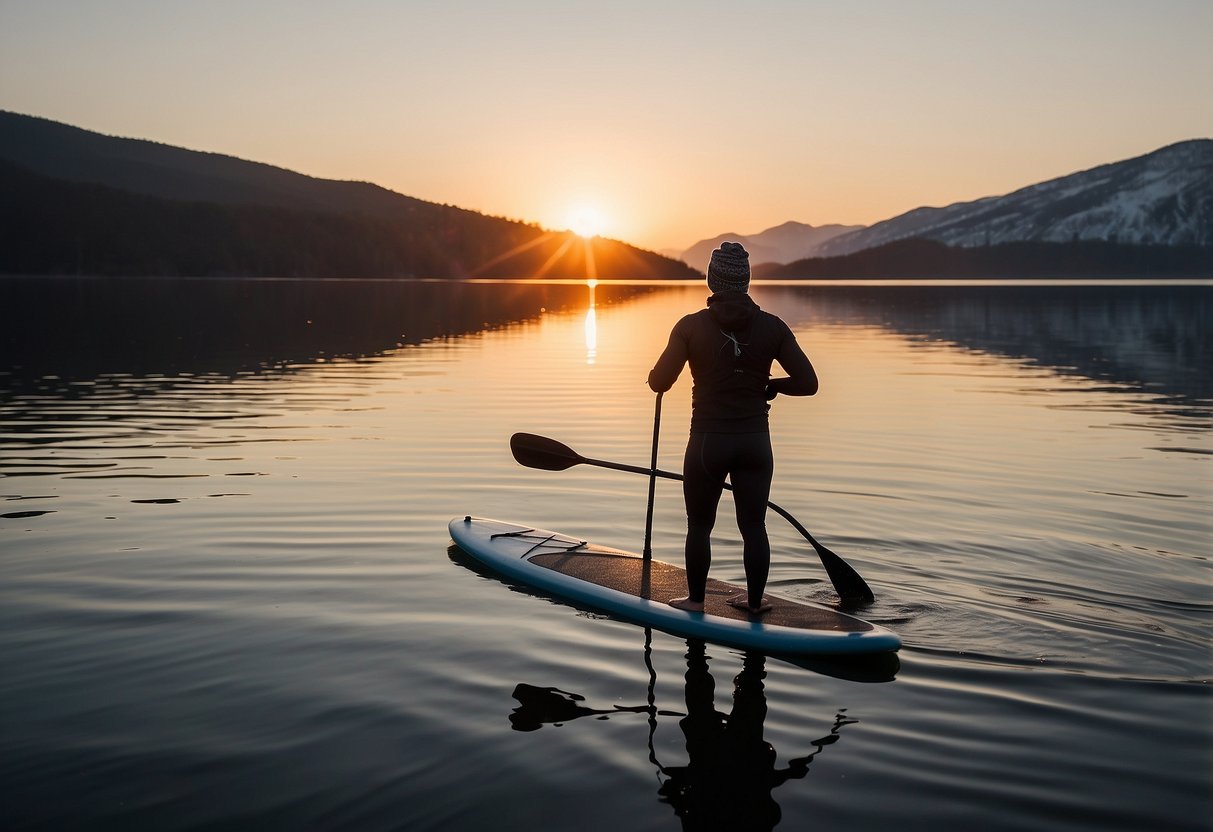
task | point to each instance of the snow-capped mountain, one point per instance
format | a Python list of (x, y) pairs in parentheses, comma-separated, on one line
[(781, 244), (1161, 198)]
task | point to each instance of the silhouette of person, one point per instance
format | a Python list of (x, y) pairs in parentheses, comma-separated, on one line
[(730, 346)]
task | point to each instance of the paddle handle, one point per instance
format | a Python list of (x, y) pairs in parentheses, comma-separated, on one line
[(648, 521)]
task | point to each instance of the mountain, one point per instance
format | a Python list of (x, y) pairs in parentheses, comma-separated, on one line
[(61, 151), (78, 202), (1163, 198), (781, 244)]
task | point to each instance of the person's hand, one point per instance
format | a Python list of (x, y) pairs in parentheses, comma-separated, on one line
[(771, 391)]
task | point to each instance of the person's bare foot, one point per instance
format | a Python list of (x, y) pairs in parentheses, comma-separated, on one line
[(742, 602), (686, 604)]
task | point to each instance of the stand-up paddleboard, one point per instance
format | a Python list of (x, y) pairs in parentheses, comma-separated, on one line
[(639, 590)]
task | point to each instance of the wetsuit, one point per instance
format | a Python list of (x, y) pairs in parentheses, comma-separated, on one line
[(730, 346)]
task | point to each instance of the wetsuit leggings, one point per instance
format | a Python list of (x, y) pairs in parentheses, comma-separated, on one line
[(747, 460)]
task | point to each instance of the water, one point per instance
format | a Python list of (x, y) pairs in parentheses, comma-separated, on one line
[(227, 597)]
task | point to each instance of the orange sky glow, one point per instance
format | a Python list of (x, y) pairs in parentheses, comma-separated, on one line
[(659, 124)]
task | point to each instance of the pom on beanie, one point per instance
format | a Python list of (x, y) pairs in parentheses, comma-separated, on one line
[(729, 269)]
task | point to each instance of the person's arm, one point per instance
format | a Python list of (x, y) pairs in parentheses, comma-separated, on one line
[(669, 366), (802, 378)]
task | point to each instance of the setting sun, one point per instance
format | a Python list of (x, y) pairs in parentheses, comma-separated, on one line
[(585, 221)]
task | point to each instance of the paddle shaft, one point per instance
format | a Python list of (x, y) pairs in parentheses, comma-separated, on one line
[(648, 520), (655, 472)]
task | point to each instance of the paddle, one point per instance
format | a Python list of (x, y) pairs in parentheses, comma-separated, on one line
[(549, 455)]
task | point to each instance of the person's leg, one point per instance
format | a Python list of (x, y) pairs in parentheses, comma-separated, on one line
[(751, 473), (701, 488)]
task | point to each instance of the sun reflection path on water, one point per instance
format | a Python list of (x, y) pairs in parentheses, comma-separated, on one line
[(591, 326)]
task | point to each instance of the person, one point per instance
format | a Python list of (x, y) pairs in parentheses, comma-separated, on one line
[(730, 345)]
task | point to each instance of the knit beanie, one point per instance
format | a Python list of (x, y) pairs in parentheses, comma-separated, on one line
[(729, 269)]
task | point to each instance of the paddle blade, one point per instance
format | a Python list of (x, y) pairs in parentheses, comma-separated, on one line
[(852, 590), (543, 453)]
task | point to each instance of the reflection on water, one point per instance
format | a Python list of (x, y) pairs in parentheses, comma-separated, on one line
[(552, 706), (591, 326), (1157, 338), (731, 772), (80, 329)]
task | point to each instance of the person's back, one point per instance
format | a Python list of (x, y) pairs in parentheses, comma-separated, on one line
[(730, 347)]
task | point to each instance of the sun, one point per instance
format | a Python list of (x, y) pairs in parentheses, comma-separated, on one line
[(585, 221)]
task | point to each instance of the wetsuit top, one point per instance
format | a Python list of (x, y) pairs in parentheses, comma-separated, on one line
[(730, 346)]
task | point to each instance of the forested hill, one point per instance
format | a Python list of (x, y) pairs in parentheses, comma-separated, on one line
[(77, 202), (925, 259)]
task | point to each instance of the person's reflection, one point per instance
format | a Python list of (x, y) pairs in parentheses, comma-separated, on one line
[(730, 774), (731, 771)]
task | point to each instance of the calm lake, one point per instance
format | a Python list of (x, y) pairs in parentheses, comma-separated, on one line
[(228, 598)]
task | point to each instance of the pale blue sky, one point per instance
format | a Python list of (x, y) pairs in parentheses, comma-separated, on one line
[(674, 120)]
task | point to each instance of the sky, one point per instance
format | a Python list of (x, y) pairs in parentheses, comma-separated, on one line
[(658, 123)]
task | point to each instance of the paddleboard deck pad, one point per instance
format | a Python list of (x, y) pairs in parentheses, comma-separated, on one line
[(626, 585)]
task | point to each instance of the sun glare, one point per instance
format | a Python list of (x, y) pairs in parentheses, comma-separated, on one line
[(585, 221)]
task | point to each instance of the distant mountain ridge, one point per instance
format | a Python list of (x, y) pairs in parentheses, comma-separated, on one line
[(916, 258), (780, 244), (1163, 198), (77, 202), (61, 151)]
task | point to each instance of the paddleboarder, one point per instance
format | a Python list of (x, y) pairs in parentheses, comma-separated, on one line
[(730, 345)]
